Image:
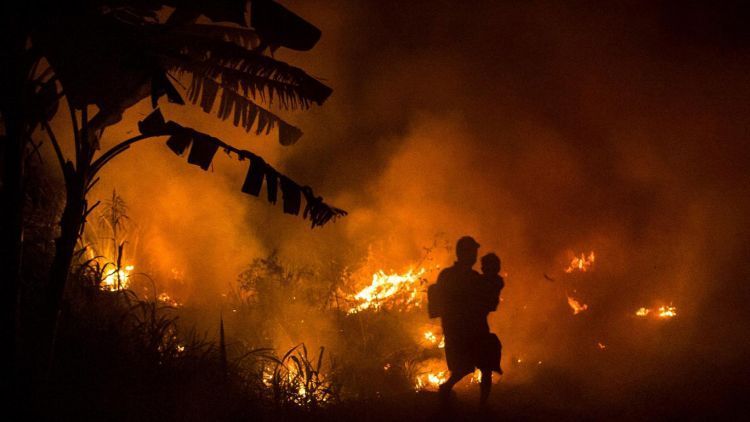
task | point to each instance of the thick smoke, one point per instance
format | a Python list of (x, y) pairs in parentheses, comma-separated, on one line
[(542, 129)]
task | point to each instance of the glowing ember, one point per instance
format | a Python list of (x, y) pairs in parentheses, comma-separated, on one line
[(667, 311), (117, 279), (292, 379), (166, 299), (431, 380), (582, 264), (430, 337), (268, 377), (642, 312), (388, 290), (476, 377), (576, 305), (663, 312), (601, 345)]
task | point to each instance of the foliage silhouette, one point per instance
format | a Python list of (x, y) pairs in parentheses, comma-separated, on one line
[(111, 55)]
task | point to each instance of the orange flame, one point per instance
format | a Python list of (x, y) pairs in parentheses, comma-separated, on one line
[(117, 279), (166, 299), (642, 312), (663, 312), (576, 305), (431, 380), (581, 264), (396, 289), (432, 339), (667, 311)]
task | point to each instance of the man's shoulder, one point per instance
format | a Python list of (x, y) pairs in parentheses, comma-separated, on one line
[(445, 274), (451, 274), (447, 271)]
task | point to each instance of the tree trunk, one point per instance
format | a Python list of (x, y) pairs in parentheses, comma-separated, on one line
[(71, 224)]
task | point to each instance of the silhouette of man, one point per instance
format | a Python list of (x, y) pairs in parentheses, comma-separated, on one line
[(464, 304)]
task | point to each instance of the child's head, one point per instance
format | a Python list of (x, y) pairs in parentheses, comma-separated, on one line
[(490, 264)]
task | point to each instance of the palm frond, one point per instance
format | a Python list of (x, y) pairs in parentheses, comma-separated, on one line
[(204, 91), (199, 48), (289, 95), (316, 210)]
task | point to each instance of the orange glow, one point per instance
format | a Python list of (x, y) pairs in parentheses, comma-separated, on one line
[(667, 311), (642, 312), (433, 339), (582, 263), (664, 312), (431, 380), (576, 305), (387, 290), (166, 299), (117, 279)]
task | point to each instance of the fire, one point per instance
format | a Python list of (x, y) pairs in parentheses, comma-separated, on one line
[(476, 377), (431, 380), (294, 380), (390, 290), (432, 338), (663, 312), (117, 279), (166, 299), (576, 305), (667, 311), (642, 312), (581, 264)]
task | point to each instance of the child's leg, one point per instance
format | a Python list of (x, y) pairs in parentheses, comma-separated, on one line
[(485, 386)]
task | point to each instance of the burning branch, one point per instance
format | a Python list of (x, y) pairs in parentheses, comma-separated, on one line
[(581, 264), (390, 290)]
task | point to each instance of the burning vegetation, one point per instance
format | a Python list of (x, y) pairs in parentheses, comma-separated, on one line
[(663, 312), (582, 263), (391, 291), (373, 312), (576, 306)]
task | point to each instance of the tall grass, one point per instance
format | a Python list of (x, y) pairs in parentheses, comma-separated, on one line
[(296, 379)]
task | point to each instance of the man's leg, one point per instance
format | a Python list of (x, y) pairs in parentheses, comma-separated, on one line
[(485, 386), (446, 387)]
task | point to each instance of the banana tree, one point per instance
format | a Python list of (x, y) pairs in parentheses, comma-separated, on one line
[(112, 55)]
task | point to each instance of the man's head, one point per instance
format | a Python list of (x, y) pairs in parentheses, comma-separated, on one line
[(466, 250), (490, 264)]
